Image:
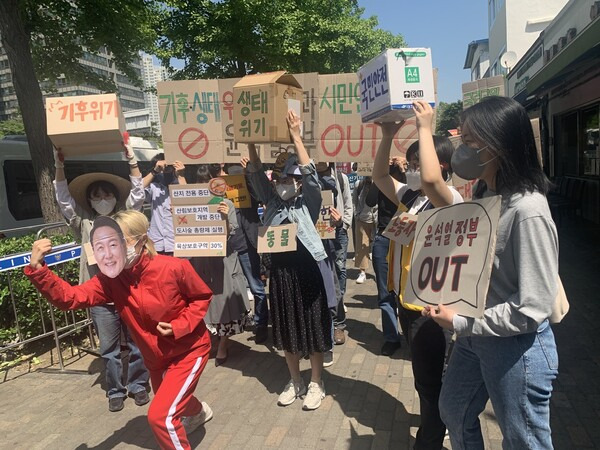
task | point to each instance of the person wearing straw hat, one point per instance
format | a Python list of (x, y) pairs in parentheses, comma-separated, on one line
[(89, 196)]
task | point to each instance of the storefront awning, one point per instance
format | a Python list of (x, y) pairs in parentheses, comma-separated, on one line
[(583, 43)]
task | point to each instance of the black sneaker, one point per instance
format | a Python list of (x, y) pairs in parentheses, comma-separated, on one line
[(389, 348), (141, 398), (261, 334), (115, 404)]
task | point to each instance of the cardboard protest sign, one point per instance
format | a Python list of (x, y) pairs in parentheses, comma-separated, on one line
[(277, 239), (200, 229), (452, 256), (330, 107), (260, 105), (237, 191), (401, 228), (364, 169), (392, 81), (213, 245), (323, 225), (474, 91), (85, 124)]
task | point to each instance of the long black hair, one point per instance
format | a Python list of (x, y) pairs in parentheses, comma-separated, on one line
[(207, 171), (502, 124)]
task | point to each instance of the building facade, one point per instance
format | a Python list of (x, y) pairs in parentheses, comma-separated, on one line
[(131, 97), (151, 75), (558, 80)]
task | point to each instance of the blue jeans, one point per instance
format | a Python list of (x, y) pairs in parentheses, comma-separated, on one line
[(340, 245), (250, 262), (109, 325), (516, 374), (387, 300)]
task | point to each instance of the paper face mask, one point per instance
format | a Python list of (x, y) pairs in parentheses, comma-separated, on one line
[(108, 245)]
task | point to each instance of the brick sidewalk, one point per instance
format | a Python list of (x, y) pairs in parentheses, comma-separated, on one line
[(371, 401)]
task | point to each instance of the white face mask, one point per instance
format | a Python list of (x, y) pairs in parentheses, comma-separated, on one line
[(413, 180), (132, 255), (287, 191), (104, 207)]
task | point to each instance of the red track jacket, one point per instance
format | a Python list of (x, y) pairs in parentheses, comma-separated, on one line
[(161, 289)]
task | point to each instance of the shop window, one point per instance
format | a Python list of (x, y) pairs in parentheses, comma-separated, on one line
[(590, 148), (577, 148)]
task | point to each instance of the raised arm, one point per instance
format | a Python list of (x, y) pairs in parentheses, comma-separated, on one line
[(294, 126), (63, 196), (381, 171), (432, 182)]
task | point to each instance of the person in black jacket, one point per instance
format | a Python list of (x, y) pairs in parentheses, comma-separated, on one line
[(387, 300)]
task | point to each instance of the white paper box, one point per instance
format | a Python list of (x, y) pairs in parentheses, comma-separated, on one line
[(392, 81)]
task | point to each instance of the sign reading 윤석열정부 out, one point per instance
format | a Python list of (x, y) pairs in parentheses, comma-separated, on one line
[(199, 227), (452, 256)]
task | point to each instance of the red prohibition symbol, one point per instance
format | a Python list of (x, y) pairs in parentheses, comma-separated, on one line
[(193, 147)]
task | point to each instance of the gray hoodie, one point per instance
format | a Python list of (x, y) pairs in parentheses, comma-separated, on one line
[(523, 283)]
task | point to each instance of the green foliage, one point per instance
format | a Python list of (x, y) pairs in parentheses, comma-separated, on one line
[(232, 38), (448, 117), (62, 30), (12, 126), (26, 296)]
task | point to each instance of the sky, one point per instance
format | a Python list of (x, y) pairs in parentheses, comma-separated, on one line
[(445, 26)]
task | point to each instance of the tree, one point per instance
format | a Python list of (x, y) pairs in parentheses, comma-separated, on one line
[(232, 38), (44, 39), (12, 126), (448, 117)]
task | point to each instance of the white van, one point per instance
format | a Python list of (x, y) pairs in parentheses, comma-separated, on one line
[(19, 200)]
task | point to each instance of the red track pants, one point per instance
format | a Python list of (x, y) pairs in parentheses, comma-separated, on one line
[(173, 398)]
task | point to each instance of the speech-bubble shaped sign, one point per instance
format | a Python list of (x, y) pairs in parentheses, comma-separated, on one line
[(452, 257)]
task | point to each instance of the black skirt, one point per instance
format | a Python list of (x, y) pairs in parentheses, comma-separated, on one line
[(299, 312)]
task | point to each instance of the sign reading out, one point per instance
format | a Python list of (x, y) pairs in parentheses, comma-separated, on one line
[(329, 108), (277, 238), (452, 256)]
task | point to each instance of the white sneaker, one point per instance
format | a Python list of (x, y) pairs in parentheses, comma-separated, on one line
[(191, 423), (250, 295), (291, 392), (361, 278), (328, 358), (316, 393)]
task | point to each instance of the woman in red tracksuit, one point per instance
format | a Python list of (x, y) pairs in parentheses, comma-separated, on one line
[(163, 302)]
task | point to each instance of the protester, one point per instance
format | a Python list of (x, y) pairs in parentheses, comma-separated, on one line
[(229, 312), (365, 218), (156, 186), (249, 221), (163, 302), (509, 356), (341, 218), (83, 200), (426, 187), (386, 209), (300, 314)]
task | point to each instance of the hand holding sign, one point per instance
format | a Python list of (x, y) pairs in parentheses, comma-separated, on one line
[(442, 315)]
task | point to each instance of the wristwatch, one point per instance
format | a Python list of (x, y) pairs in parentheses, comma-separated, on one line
[(154, 172)]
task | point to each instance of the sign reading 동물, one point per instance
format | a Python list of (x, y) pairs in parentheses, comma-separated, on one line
[(323, 225), (401, 228), (200, 229), (277, 238), (452, 256)]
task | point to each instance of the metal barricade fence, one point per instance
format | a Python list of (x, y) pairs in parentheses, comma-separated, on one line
[(59, 255)]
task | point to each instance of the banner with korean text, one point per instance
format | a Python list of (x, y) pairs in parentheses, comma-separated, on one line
[(452, 256), (200, 229)]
